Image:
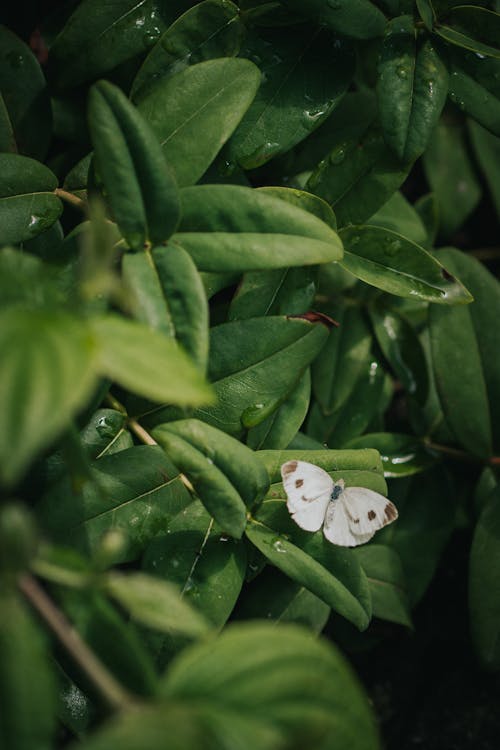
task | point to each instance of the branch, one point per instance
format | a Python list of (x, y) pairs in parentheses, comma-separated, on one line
[(71, 198)]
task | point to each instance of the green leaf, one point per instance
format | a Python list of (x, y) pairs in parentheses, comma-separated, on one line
[(401, 217), (232, 228), (280, 427), (395, 264), (411, 89), (146, 362), (466, 370), (239, 464), (135, 491), (27, 719), (474, 28), (308, 572), (305, 72), (358, 175), (194, 112), (401, 455), (360, 19), (475, 99), (292, 667), (48, 372), (139, 185), (154, 603), (97, 38), (208, 567), (304, 200), (7, 138), (211, 29), (105, 433), (451, 177), (217, 466), (26, 282), (255, 364), (487, 151), (387, 583), (116, 642), (25, 96), (273, 596), (484, 603), (281, 291), (402, 349), (28, 205), (148, 303)]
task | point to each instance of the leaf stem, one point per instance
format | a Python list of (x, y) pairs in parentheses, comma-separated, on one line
[(113, 693), (71, 198), (460, 455)]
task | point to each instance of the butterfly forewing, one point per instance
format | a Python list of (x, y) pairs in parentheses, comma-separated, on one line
[(367, 510), (308, 490)]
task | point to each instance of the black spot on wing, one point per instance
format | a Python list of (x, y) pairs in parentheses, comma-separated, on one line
[(371, 515)]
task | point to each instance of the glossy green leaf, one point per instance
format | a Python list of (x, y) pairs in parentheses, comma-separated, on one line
[(411, 89), (477, 29), (139, 185), (75, 710), (275, 597), (208, 567), (343, 358), (50, 359), (474, 99), (487, 150), (466, 370), (401, 217), (232, 228), (25, 96), (451, 177), (7, 138), (426, 12), (484, 603), (194, 112), (211, 29), (427, 209), (239, 464), (360, 19), (147, 303), (105, 433), (358, 175), (277, 431), (135, 491), (146, 362), (116, 642), (154, 603), (387, 582), (27, 688), (255, 364), (402, 349), (28, 205), (292, 666), (303, 199), (304, 75), (401, 455), (395, 264), (98, 37)]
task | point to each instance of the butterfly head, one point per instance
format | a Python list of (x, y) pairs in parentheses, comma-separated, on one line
[(337, 490)]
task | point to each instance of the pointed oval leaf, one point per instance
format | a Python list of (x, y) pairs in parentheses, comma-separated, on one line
[(194, 112), (360, 19), (477, 29), (279, 429), (401, 455), (387, 583), (129, 160), (395, 264)]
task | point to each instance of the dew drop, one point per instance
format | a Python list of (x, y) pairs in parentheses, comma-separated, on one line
[(278, 545), (402, 73), (337, 156)]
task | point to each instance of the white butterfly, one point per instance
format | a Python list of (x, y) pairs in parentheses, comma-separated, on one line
[(349, 515)]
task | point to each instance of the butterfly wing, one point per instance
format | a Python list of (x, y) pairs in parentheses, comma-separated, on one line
[(337, 528), (366, 510), (308, 489)]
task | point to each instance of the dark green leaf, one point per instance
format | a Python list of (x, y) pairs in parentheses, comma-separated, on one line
[(411, 89), (48, 372), (474, 28), (401, 455), (194, 112), (135, 491), (25, 96), (474, 99), (140, 187), (27, 689), (105, 433), (360, 19), (28, 205), (487, 150), (484, 568), (305, 73), (387, 582), (395, 264), (401, 217), (210, 30)]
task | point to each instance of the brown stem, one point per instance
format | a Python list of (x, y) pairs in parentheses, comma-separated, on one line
[(113, 693), (140, 432), (71, 198)]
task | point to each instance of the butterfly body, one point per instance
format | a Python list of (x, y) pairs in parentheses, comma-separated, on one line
[(349, 515)]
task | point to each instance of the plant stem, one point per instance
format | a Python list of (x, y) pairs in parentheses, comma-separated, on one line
[(140, 432), (113, 693), (71, 198), (460, 455)]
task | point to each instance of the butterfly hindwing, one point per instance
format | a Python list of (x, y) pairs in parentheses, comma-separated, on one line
[(308, 490), (337, 528), (367, 511)]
